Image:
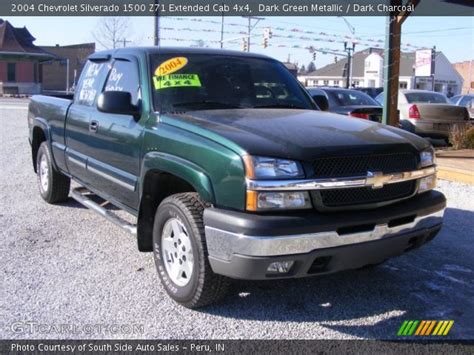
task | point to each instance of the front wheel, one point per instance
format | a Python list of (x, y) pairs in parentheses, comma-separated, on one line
[(180, 252)]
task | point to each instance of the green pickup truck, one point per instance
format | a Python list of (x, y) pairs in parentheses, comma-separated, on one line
[(230, 170)]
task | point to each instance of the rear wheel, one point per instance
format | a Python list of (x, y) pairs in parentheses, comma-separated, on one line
[(180, 253), (53, 186)]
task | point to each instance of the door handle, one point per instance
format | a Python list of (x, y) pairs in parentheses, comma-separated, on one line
[(93, 126)]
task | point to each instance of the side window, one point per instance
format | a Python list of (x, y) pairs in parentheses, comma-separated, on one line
[(380, 99), (124, 77), (92, 79)]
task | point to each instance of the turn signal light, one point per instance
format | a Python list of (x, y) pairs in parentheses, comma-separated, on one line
[(413, 112)]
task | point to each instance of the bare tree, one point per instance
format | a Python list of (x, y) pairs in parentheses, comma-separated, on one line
[(112, 32)]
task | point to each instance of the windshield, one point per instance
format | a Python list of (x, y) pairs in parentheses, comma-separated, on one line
[(349, 98), (201, 82), (426, 97)]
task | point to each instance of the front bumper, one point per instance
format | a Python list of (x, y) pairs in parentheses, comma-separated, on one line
[(243, 245)]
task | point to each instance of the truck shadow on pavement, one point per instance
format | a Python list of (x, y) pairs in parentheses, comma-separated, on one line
[(434, 282)]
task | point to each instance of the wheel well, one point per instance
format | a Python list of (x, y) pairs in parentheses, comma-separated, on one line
[(157, 186), (38, 138)]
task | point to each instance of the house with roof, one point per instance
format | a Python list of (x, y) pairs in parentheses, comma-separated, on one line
[(368, 71), (27, 69), (20, 61)]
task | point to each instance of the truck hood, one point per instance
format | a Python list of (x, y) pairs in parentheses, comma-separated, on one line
[(298, 134)]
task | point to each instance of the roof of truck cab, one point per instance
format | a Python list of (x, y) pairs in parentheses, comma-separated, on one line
[(171, 50)]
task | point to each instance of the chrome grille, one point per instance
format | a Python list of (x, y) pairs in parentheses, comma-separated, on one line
[(359, 165), (366, 195)]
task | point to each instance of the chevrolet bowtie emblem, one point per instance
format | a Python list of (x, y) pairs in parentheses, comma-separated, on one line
[(376, 179)]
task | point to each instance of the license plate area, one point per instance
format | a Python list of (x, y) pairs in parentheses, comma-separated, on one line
[(442, 126)]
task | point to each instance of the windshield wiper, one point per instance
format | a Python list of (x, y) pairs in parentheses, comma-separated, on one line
[(206, 102), (282, 106)]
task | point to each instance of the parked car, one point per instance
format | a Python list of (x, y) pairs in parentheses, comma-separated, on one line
[(427, 113), (348, 102), (372, 92), (466, 101), (230, 170)]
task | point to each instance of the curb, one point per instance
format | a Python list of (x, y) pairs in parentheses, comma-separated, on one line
[(457, 175)]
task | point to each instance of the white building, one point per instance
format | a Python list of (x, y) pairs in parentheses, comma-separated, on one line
[(368, 70)]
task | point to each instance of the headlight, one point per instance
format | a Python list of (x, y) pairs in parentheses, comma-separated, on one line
[(271, 168), (288, 200), (427, 157)]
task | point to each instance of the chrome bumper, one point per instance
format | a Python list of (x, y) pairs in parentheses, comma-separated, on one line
[(223, 244)]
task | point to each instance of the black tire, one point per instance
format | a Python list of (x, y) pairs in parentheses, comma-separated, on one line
[(58, 185), (204, 286)]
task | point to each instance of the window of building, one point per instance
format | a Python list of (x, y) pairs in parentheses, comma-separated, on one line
[(11, 72), (325, 82), (403, 85), (336, 82)]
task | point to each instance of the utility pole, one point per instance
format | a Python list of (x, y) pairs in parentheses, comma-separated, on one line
[(349, 54), (222, 29), (349, 51), (156, 22), (393, 33), (67, 75), (251, 27), (125, 41)]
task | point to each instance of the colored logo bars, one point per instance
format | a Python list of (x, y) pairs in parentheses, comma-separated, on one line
[(425, 327)]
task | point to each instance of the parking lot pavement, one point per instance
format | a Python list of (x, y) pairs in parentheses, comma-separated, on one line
[(63, 265)]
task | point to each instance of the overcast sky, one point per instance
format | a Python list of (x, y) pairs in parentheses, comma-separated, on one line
[(454, 36)]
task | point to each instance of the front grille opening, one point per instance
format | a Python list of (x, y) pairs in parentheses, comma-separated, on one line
[(359, 165), (319, 264), (367, 195), (356, 229), (401, 221)]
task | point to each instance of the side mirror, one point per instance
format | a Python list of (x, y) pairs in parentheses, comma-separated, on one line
[(119, 102), (322, 102)]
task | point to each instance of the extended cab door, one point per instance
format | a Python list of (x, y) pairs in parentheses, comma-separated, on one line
[(115, 139), (77, 131)]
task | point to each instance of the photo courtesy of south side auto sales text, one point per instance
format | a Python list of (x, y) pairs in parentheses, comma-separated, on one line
[(122, 346)]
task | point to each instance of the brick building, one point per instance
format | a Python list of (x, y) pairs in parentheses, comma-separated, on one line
[(54, 73), (466, 70), (20, 61)]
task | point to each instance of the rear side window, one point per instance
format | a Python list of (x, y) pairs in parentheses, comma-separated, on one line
[(349, 98), (466, 101), (92, 80), (426, 97), (380, 99), (124, 77)]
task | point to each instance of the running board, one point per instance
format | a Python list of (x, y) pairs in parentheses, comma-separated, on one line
[(80, 195)]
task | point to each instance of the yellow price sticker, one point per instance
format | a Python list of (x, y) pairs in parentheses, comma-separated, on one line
[(171, 65), (176, 80)]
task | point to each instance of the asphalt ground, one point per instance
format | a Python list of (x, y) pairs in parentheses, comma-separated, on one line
[(64, 265)]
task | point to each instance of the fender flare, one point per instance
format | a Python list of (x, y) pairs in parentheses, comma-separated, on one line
[(39, 122), (179, 167)]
